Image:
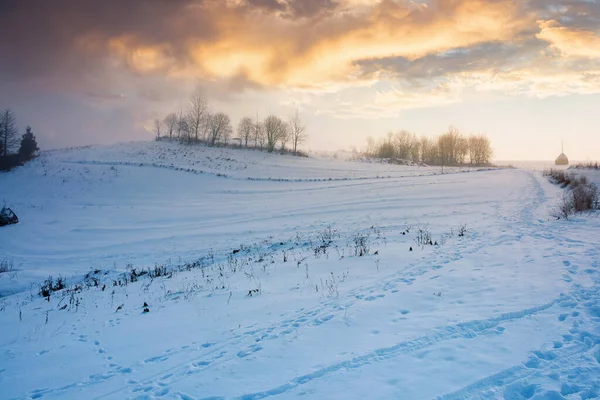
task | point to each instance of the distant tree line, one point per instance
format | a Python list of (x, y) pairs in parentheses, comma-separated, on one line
[(450, 148), (14, 150), (197, 124)]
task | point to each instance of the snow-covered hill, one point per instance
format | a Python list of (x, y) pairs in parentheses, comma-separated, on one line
[(276, 276), (147, 202)]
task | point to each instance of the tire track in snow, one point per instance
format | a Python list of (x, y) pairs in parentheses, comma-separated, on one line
[(197, 171), (465, 330), (542, 361)]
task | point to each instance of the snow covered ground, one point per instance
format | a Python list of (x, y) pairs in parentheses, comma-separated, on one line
[(267, 294)]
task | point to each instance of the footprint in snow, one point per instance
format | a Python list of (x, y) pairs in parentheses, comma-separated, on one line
[(371, 298), (562, 317), (567, 278), (319, 321), (156, 359), (37, 393), (199, 364), (250, 350)]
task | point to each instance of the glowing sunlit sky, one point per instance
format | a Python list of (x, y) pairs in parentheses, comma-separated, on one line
[(527, 73)]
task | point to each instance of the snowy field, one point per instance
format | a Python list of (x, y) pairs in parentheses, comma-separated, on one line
[(268, 276)]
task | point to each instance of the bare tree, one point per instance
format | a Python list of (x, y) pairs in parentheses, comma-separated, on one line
[(371, 149), (450, 148), (429, 151), (462, 149), (197, 113), (386, 149), (447, 147), (244, 130), (415, 151), (284, 136), (403, 143), (259, 133), (157, 126), (274, 131), (226, 133), (297, 131), (180, 122), (184, 130), (219, 126), (170, 123), (8, 131), (480, 150)]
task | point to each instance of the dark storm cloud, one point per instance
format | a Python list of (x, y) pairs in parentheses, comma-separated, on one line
[(63, 42), (41, 38)]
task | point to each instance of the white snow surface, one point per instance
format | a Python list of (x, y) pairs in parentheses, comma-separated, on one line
[(266, 294)]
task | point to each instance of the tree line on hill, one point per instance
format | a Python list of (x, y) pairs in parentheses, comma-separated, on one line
[(14, 150), (197, 124), (450, 148)]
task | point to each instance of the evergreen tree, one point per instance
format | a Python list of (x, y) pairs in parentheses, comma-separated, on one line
[(28, 145)]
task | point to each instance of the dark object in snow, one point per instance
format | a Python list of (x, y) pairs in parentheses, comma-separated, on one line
[(145, 304), (146, 310), (8, 217), (236, 251), (410, 249)]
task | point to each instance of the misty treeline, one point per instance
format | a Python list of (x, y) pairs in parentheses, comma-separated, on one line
[(450, 148), (197, 124), (15, 150)]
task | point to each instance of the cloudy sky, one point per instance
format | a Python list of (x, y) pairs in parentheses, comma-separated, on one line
[(527, 72)]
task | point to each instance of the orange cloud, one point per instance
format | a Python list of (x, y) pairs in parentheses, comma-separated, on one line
[(308, 53), (416, 53)]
